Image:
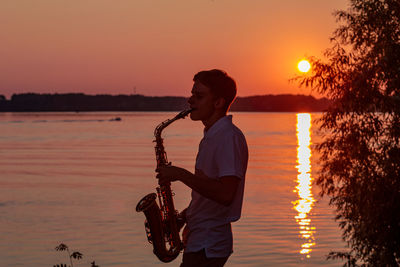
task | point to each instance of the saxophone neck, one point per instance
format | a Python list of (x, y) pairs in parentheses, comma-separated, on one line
[(164, 124)]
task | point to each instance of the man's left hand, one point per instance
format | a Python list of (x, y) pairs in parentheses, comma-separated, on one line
[(168, 173)]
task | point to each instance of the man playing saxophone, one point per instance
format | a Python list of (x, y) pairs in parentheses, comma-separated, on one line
[(218, 182)]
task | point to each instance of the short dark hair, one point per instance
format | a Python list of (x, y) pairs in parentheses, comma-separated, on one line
[(220, 84)]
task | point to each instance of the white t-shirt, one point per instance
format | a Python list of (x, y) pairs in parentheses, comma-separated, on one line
[(222, 152)]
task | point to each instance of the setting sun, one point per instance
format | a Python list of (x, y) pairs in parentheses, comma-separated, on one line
[(304, 66)]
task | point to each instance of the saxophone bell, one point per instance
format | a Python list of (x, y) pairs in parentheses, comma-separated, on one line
[(146, 202)]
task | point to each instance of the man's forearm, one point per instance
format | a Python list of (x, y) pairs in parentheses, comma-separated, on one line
[(221, 190), (214, 189)]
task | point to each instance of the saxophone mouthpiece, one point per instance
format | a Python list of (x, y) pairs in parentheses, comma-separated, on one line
[(184, 113)]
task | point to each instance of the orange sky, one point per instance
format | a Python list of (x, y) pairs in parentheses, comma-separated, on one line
[(156, 46)]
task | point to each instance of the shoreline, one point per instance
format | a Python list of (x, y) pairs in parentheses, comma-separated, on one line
[(99, 103)]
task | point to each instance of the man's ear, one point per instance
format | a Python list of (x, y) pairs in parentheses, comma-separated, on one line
[(219, 103)]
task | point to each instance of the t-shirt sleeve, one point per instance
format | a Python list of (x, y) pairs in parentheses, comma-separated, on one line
[(230, 156)]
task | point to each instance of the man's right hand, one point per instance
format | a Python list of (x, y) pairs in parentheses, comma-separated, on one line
[(181, 219), (185, 235)]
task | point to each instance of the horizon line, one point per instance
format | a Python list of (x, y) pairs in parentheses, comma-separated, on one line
[(137, 94)]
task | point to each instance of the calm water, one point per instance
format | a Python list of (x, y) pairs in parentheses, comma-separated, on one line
[(75, 178)]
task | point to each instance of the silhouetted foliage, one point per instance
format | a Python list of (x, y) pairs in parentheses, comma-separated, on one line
[(361, 149), (75, 255)]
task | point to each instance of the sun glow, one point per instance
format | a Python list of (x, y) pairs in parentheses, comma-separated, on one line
[(304, 184), (304, 66)]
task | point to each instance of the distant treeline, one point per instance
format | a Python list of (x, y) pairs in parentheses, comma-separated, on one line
[(81, 102)]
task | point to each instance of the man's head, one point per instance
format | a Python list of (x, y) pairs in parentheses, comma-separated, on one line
[(212, 94), (220, 85)]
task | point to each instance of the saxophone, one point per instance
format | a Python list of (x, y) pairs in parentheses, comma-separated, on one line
[(161, 225)]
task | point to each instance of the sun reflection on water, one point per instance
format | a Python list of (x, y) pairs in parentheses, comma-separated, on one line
[(305, 201)]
